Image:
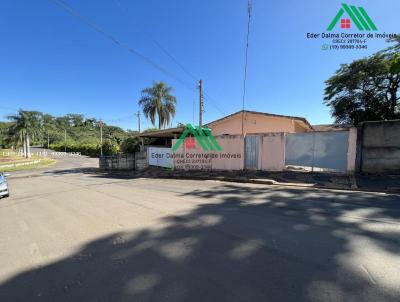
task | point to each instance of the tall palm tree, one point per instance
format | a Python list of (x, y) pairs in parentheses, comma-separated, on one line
[(157, 100), (26, 124)]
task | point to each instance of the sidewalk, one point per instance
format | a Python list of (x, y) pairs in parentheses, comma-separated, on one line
[(373, 183)]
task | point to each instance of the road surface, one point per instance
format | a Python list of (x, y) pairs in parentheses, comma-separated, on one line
[(84, 237)]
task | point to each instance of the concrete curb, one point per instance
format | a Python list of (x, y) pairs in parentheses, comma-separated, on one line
[(271, 182), (284, 184)]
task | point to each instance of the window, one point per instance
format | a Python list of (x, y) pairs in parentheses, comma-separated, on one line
[(345, 23)]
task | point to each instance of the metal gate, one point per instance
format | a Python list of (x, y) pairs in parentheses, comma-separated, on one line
[(251, 150), (326, 150)]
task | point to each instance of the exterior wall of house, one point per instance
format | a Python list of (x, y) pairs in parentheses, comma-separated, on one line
[(255, 123)]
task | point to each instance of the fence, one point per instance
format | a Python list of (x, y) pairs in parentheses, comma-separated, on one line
[(378, 147), (322, 151), (331, 151), (134, 161), (118, 162)]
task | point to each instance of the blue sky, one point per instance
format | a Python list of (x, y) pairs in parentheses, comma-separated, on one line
[(52, 62)]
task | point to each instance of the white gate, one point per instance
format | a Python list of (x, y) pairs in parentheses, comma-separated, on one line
[(325, 150)]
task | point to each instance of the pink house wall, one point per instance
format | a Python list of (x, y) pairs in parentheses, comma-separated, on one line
[(230, 144), (256, 123), (273, 152)]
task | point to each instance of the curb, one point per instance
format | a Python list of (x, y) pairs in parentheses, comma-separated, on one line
[(265, 182), (271, 182)]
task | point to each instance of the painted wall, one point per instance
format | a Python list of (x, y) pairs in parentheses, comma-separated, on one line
[(230, 158), (158, 156), (273, 152), (256, 123)]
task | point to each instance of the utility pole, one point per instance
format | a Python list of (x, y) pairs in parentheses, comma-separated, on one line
[(101, 139), (138, 116), (65, 140), (48, 140), (201, 103)]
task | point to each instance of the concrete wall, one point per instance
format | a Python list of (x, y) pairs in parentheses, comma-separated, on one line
[(273, 152), (117, 162), (141, 160), (379, 147), (352, 150), (135, 161), (254, 124)]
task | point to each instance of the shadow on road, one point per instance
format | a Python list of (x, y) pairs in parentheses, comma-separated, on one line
[(287, 247)]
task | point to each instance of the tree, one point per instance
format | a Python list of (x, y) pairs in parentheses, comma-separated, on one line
[(157, 100), (366, 89), (25, 125)]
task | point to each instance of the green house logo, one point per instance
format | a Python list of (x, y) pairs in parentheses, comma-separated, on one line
[(357, 15), (202, 135)]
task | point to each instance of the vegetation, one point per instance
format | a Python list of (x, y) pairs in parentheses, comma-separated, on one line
[(82, 134), (44, 162), (24, 126), (158, 101), (12, 161), (366, 89)]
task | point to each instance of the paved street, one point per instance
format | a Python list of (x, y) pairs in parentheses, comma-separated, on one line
[(69, 235)]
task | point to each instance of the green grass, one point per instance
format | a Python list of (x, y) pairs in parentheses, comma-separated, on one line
[(43, 163)]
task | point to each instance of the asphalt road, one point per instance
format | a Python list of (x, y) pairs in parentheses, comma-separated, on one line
[(69, 235)]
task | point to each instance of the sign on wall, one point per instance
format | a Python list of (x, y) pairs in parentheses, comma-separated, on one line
[(161, 157)]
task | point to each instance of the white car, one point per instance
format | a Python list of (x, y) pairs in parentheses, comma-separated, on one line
[(4, 191)]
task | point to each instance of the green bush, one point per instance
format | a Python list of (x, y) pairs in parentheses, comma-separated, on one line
[(110, 147), (83, 148), (90, 149), (130, 145)]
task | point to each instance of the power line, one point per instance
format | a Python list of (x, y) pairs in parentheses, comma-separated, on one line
[(249, 8), (212, 102), (73, 12), (163, 49), (125, 11)]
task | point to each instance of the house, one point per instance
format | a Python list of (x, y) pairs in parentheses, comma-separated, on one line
[(255, 122)]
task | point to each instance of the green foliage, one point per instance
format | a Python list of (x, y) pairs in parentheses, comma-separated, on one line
[(158, 101), (130, 145), (83, 134), (4, 126), (366, 89), (110, 147)]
